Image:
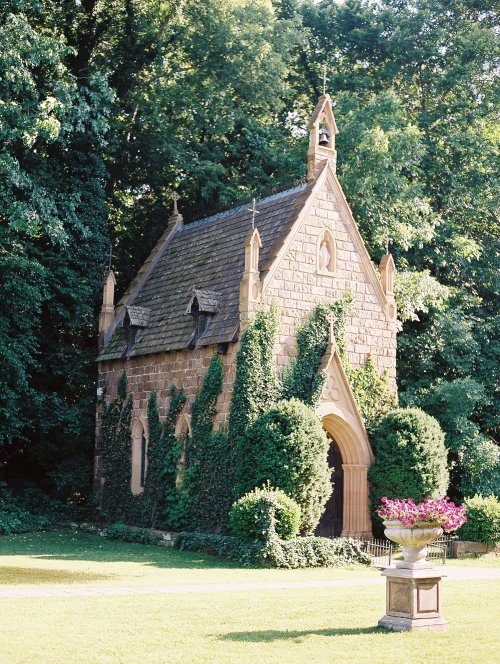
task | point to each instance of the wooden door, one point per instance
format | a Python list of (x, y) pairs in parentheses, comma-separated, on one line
[(330, 524)]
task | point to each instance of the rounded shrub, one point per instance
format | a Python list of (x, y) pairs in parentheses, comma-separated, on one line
[(483, 520), (263, 512), (410, 459), (288, 447)]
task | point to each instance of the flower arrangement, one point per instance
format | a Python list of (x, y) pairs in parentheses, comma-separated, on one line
[(442, 512)]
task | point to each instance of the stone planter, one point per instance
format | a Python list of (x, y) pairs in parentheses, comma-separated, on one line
[(413, 540), (413, 586)]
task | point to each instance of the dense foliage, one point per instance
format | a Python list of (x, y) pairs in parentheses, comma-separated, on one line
[(256, 385), (410, 459), (209, 478), (115, 447), (288, 447), (160, 499), (303, 379), (483, 520), (260, 510), (289, 554), (109, 106), (15, 518)]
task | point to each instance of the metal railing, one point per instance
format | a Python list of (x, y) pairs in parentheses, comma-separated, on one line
[(380, 550)]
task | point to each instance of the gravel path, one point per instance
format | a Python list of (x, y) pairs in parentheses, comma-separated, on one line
[(451, 573)]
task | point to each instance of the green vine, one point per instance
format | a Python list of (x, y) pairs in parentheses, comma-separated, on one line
[(116, 448), (159, 498), (208, 476), (256, 385), (303, 379), (372, 391)]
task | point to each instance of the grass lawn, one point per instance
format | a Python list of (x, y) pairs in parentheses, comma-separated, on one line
[(311, 625)]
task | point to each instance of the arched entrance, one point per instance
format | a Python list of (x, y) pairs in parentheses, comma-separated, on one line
[(330, 524), (355, 455)]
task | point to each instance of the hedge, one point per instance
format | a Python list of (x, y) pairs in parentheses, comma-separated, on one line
[(275, 553)]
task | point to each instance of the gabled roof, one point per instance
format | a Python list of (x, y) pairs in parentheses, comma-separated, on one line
[(208, 255)]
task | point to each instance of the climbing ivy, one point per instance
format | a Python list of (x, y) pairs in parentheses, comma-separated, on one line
[(208, 481), (256, 385), (303, 379), (115, 449), (159, 499), (371, 391)]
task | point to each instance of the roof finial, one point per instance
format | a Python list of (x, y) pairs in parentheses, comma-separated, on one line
[(325, 79), (254, 211), (175, 198), (111, 256), (387, 243)]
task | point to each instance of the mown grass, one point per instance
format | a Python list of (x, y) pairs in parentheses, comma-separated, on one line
[(310, 625)]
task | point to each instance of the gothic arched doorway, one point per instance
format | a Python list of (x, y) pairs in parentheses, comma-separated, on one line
[(330, 524)]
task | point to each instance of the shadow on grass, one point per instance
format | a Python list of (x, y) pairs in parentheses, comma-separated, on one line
[(277, 635), (67, 545), (33, 575)]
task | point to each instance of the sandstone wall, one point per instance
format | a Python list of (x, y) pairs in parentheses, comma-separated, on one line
[(296, 287)]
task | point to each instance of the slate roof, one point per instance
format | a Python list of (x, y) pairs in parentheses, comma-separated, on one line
[(207, 255), (138, 316)]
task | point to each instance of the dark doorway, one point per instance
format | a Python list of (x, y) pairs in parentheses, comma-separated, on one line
[(330, 524)]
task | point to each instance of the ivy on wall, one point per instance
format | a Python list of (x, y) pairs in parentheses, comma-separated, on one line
[(303, 379), (209, 476), (160, 495), (256, 385), (372, 391), (115, 448)]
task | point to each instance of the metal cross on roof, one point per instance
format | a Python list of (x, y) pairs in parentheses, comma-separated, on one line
[(325, 79), (254, 211), (175, 197), (111, 256)]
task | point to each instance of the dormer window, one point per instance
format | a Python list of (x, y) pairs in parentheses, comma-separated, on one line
[(134, 322), (203, 306)]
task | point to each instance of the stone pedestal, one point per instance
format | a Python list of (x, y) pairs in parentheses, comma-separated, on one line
[(413, 600)]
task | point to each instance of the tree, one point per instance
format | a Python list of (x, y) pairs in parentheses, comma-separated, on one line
[(53, 241)]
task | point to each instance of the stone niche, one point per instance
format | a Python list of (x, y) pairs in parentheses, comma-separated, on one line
[(413, 600)]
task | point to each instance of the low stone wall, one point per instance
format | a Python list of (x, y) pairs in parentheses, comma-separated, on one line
[(465, 549)]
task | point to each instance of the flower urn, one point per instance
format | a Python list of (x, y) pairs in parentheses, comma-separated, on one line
[(413, 540)]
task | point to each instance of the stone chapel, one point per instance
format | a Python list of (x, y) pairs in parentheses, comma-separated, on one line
[(202, 282)]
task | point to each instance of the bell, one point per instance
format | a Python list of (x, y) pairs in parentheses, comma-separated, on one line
[(324, 136)]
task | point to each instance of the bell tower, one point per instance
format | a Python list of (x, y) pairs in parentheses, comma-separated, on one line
[(322, 129)]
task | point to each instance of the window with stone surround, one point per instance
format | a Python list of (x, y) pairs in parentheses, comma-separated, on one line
[(183, 433), (139, 457)]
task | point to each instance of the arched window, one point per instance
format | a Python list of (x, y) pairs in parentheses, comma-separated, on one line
[(326, 253), (183, 433), (139, 457)]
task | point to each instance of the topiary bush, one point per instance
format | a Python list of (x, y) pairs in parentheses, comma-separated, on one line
[(410, 459), (262, 511), (483, 520), (288, 447)]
